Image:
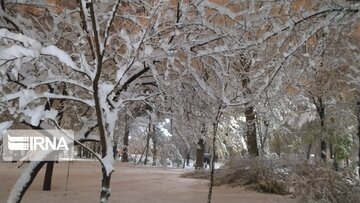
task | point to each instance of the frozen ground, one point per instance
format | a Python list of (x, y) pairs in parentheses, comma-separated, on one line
[(130, 184)]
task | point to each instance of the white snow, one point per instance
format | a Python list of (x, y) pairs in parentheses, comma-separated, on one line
[(123, 34), (17, 51), (148, 50), (3, 126), (25, 177), (20, 183), (120, 73), (89, 102), (26, 97), (32, 84), (35, 114), (51, 114), (61, 55), (207, 89), (26, 41), (108, 160)]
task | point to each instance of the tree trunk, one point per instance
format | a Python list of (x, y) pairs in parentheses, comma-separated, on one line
[(264, 137), (320, 107), (125, 151), (154, 151), (215, 126), (148, 142), (105, 186), (358, 133), (26, 178), (308, 151), (331, 150), (34, 171), (212, 163), (200, 154), (188, 158), (251, 140), (125, 157), (48, 176), (115, 147)]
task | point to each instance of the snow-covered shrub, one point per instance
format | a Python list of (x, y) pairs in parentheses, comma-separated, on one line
[(256, 174), (308, 183), (313, 183)]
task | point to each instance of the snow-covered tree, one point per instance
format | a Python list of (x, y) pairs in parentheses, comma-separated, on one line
[(95, 51)]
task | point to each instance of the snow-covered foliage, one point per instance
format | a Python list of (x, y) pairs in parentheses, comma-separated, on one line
[(85, 65)]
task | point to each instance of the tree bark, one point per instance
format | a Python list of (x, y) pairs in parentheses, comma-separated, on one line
[(308, 151), (125, 151), (331, 150), (148, 142), (115, 147), (215, 128), (200, 154), (251, 140), (154, 151), (105, 183), (125, 156), (3, 5), (105, 186), (48, 176), (188, 158), (358, 133), (264, 137), (320, 107)]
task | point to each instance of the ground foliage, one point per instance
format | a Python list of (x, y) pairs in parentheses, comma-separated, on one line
[(306, 182)]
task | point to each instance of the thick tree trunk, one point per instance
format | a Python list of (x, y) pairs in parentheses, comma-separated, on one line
[(125, 156), (251, 140), (320, 107), (115, 147), (3, 5), (200, 154), (48, 176), (125, 151), (105, 186)]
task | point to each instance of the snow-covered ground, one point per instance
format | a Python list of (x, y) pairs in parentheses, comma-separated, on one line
[(130, 184)]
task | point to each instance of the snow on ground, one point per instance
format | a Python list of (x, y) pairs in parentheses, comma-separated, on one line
[(130, 184)]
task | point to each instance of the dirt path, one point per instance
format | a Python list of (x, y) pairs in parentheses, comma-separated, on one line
[(129, 184)]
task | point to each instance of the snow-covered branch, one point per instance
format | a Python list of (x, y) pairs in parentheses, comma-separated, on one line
[(27, 96)]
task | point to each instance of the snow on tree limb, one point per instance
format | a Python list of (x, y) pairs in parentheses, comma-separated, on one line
[(63, 57), (16, 51), (25, 40), (27, 96), (59, 79)]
